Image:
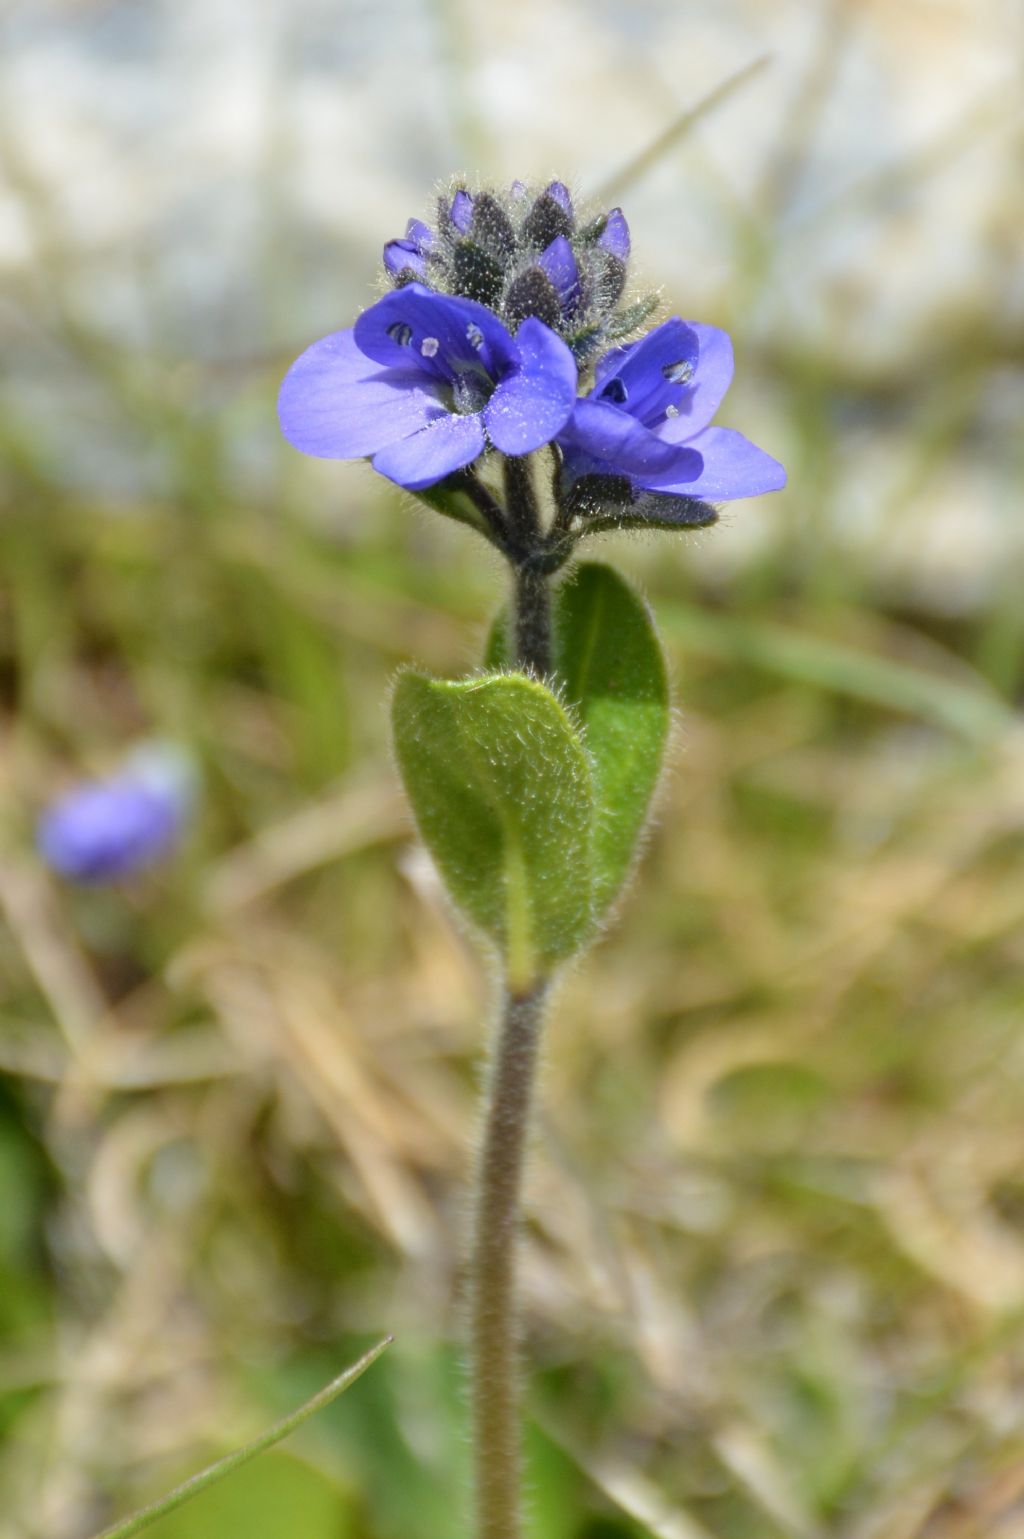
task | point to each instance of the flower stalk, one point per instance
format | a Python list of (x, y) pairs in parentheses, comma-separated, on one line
[(494, 1330)]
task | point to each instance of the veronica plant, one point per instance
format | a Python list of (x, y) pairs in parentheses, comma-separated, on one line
[(508, 380)]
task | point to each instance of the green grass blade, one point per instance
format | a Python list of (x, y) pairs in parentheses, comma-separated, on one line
[(969, 712), (233, 1461), (680, 126)]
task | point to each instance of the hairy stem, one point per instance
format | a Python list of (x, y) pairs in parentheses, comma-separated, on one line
[(486, 505), (531, 607), (494, 1335), (531, 597)]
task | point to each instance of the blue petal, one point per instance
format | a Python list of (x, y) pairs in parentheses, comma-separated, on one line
[(623, 446), (733, 467), (610, 362), (338, 404), (421, 235), (711, 379), (532, 404), (653, 374), (444, 445), (558, 263), (435, 334), (404, 256), (561, 195), (462, 211), (615, 235)]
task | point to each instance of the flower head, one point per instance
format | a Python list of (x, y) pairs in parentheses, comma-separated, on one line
[(647, 420), (423, 383), (523, 254), (106, 829), (496, 309)]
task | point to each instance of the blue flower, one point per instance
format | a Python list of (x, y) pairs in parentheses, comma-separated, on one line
[(106, 829), (423, 383), (648, 419), (410, 254)]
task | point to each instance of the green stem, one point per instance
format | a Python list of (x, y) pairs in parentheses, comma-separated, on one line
[(497, 1429)]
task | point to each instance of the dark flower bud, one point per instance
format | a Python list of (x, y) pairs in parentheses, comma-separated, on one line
[(656, 510), (475, 275), (614, 502), (593, 495), (533, 293), (604, 280), (492, 228), (546, 220)]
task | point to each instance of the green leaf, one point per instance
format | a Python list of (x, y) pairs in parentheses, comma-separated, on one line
[(501, 789), (610, 661), (611, 666), (233, 1461)]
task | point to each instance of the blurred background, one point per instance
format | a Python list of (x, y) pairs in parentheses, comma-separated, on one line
[(774, 1268)]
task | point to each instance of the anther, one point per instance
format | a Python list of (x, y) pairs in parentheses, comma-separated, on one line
[(678, 373)]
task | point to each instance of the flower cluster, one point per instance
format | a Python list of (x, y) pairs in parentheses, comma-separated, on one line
[(525, 256), (505, 330)]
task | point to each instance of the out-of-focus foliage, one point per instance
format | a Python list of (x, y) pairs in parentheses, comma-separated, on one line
[(774, 1265)]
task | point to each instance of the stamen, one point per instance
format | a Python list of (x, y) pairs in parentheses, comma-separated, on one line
[(429, 347), (474, 336), (678, 373), (616, 392), (400, 332), (671, 411)]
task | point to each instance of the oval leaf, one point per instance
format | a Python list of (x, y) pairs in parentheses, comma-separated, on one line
[(501, 789), (611, 664)]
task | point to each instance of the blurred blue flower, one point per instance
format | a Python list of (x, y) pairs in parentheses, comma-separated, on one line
[(423, 383), (106, 829), (648, 419)]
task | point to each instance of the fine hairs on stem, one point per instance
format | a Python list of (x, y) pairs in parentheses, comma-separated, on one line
[(494, 1329), (531, 604)]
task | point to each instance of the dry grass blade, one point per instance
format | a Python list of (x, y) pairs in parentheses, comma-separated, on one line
[(677, 130)]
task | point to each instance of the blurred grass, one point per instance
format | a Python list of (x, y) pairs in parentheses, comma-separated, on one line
[(775, 1262)]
